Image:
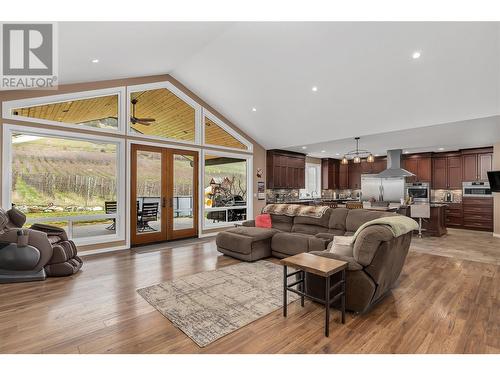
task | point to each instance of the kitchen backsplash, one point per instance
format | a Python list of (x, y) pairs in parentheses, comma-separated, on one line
[(438, 195), (279, 195), (347, 193)]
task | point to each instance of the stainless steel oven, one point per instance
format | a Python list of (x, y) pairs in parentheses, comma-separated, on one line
[(476, 189), (419, 191)]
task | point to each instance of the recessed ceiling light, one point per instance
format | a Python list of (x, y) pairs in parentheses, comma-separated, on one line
[(254, 109), (337, 154), (304, 147), (315, 88), (441, 148), (323, 151), (406, 152), (416, 54), (376, 154), (95, 61)]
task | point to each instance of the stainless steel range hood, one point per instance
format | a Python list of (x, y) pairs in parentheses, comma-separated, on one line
[(394, 166)]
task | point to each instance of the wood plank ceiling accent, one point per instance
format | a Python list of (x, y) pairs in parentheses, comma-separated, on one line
[(74, 111), (174, 118), (215, 135)]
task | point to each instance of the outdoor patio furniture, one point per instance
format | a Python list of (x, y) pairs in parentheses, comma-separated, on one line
[(148, 213), (110, 208)]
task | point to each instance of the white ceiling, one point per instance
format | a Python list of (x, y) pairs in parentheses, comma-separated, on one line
[(367, 81)]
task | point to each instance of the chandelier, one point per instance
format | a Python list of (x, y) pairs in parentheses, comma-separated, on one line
[(357, 155)]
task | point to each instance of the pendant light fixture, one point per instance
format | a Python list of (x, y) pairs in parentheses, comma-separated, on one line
[(357, 155)]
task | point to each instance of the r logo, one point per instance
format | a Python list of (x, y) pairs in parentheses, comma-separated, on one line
[(28, 49)]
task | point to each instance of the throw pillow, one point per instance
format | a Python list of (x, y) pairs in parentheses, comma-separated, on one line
[(263, 221), (342, 245)]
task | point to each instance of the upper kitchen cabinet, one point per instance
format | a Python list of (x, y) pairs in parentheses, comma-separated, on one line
[(476, 163), (447, 171), (420, 165), (343, 176), (354, 179), (285, 170), (330, 174)]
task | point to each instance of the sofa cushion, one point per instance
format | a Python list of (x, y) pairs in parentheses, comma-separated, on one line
[(243, 239), (296, 243), (352, 265), (342, 245), (337, 219), (355, 218), (282, 222), (368, 241)]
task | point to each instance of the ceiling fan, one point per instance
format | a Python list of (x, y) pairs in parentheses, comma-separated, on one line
[(139, 120)]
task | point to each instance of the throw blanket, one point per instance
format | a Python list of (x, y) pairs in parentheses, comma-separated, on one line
[(295, 210), (399, 225)]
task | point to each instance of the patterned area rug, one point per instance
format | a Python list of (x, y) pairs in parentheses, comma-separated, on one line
[(209, 305)]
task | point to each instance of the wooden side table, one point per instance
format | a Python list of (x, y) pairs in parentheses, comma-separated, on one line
[(321, 266)]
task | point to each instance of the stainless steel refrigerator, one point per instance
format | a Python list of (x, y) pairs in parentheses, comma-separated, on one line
[(382, 189)]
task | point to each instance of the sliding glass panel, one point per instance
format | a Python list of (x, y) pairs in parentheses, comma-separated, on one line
[(225, 184), (183, 194), (148, 191), (161, 113), (100, 112), (64, 179), (215, 135)]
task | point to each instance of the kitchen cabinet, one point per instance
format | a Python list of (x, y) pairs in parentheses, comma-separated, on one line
[(420, 165), (478, 213), (343, 176), (285, 170), (476, 163), (354, 180), (329, 174), (447, 172), (454, 215)]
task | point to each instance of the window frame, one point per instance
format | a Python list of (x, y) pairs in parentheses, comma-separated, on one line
[(120, 232), (249, 200), (177, 92), (226, 128), (317, 167), (120, 91)]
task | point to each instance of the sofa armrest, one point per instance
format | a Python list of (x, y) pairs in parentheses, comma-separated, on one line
[(248, 223), (368, 241), (352, 265)]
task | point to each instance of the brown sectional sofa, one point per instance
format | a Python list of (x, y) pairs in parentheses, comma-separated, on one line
[(377, 261)]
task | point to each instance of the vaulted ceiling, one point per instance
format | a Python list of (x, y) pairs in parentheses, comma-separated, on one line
[(367, 81)]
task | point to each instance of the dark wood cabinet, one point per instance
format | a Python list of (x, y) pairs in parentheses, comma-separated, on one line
[(478, 213), (354, 180), (476, 164), (420, 165), (285, 170), (343, 176), (379, 165), (454, 215), (439, 178), (330, 174), (447, 172)]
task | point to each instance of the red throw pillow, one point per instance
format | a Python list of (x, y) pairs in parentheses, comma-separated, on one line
[(263, 221)]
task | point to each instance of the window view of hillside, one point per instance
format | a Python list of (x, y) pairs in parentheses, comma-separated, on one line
[(58, 177)]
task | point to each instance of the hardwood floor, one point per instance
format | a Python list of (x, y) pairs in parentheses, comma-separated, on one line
[(441, 305)]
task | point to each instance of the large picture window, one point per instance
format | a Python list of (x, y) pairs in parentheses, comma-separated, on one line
[(225, 190), (68, 182)]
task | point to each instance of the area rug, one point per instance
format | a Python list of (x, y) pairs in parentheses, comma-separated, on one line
[(209, 305)]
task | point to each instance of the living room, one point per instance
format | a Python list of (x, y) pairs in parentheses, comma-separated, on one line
[(232, 195)]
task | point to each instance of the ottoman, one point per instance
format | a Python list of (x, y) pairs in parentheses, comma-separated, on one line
[(246, 243)]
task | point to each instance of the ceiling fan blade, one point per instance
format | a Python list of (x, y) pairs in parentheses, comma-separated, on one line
[(146, 123)]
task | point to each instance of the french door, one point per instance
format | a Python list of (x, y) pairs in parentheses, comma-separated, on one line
[(164, 194)]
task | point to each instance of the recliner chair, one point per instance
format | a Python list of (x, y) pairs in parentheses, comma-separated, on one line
[(57, 255)]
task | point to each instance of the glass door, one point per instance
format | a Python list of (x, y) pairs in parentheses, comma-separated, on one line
[(183, 194), (148, 199), (164, 194)]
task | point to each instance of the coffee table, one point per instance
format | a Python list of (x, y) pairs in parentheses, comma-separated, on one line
[(321, 266)]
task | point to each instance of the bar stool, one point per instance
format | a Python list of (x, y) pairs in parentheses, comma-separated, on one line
[(420, 211)]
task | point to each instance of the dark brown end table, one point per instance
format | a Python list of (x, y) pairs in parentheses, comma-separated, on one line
[(321, 266)]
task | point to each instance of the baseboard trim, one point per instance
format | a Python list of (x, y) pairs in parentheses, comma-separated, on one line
[(211, 234), (497, 235), (105, 250)]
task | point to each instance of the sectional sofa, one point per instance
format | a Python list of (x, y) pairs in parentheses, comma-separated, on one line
[(377, 261)]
